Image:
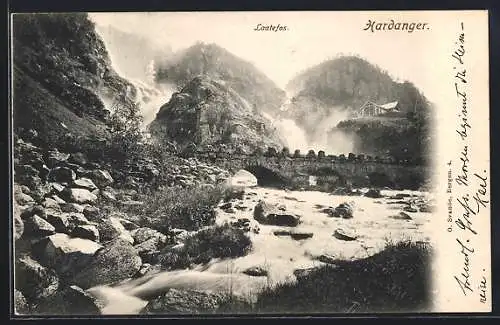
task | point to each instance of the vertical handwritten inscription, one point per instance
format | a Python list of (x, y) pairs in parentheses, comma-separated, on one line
[(467, 188)]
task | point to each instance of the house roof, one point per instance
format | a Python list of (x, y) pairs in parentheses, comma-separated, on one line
[(386, 106), (390, 105)]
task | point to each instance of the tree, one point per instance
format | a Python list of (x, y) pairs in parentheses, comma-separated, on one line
[(271, 152), (311, 154), (321, 154), (296, 154)]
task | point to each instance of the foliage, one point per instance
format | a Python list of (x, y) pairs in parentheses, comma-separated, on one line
[(213, 242), (176, 207)]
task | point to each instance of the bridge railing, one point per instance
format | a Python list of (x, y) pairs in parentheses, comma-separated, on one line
[(350, 158)]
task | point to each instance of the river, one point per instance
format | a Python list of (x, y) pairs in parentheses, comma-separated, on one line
[(279, 255)]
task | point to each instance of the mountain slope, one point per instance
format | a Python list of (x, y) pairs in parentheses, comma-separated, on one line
[(218, 64), (208, 112), (327, 95), (62, 78)]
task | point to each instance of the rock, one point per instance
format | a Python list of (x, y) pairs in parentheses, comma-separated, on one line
[(128, 225), (243, 178), (38, 227), (108, 195), (268, 214), (55, 157), (143, 234), (21, 306), (91, 212), (61, 174), (117, 261), (145, 268), (64, 253), (86, 232), (77, 219), (30, 211), (51, 204), (255, 271), (34, 280), (149, 250), (282, 233), (373, 193), (70, 301), (328, 259), (18, 222), (178, 235), (101, 177), (111, 228), (176, 301), (56, 187), (410, 208), (79, 195), (72, 207), (84, 183), (401, 216), (59, 221), (226, 206), (78, 158), (343, 210), (344, 235), (301, 235), (23, 199), (58, 200), (303, 273)]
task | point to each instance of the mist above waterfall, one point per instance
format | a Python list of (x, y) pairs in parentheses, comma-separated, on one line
[(133, 57)]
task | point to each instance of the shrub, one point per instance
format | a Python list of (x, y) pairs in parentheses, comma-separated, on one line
[(214, 242), (176, 207)]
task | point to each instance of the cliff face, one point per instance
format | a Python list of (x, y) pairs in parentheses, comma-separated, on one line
[(217, 63), (207, 112), (62, 78)]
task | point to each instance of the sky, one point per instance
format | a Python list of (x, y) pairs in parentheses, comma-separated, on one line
[(311, 38)]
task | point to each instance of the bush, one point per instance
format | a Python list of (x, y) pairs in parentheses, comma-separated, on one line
[(177, 207), (213, 242)]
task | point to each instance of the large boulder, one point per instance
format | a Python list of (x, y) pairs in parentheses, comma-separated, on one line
[(111, 228), (21, 306), (84, 183), (61, 175), (18, 222), (268, 214), (79, 195), (72, 301), (60, 221), (86, 232), (64, 253), (343, 210), (373, 193), (117, 261), (176, 301), (100, 177), (143, 234), (38, 227), (55, 158), (34, 280), (23, 199)]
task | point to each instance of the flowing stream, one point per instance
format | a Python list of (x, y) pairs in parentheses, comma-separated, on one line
[(279, 255)]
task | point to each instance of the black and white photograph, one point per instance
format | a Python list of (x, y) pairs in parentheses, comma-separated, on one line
[(192, 163)]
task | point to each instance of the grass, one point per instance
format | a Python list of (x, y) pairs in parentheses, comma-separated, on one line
[(394, 280), (222, 241)]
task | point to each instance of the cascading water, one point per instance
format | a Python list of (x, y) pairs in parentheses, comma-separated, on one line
[(150, 95)]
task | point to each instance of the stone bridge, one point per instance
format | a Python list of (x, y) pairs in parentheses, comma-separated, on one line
[(327, 172)]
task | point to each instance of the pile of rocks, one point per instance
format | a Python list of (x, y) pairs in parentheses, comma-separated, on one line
[(191, 172), (64, 243)]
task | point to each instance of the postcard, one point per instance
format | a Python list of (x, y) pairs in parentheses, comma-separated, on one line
[(252, 162)]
